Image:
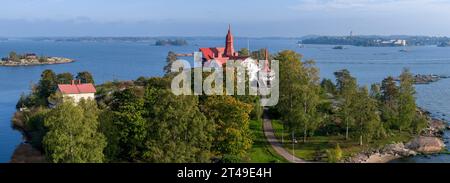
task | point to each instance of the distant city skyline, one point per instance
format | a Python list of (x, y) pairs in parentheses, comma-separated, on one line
[(252, 18)]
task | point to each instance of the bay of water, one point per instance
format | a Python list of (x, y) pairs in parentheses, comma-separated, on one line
[(127, 60)]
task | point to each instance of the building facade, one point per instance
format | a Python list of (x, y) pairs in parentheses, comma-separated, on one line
[(77, 91), (218, 56)]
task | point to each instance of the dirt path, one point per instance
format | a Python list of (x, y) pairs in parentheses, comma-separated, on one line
[(270, 135)]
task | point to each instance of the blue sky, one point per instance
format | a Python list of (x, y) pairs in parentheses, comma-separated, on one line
[(255, 18)]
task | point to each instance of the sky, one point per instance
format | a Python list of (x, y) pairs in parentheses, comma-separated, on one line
[(249, 18)]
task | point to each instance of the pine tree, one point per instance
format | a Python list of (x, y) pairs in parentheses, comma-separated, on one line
[(407, 102), (171, 58)]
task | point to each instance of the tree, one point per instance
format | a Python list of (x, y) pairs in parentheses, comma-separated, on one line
[(347, 89), (64, 78), (85, 77), (47, 85), (231, 118), (299, 93), (111, 131), (367, 118), (73, 135), (389, 102), (244, 52), (43, 59), (389, 92), (407, 102), (14, 57), (127, 110), (328, 86), (375, 92), (178, 131), (171, 58)]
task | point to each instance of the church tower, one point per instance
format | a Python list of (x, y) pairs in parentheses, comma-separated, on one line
[(229, 45)]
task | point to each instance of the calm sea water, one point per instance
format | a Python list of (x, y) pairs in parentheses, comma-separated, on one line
[(123, 61)]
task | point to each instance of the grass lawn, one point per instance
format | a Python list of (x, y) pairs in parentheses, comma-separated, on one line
[(261, 151), (316, 146)]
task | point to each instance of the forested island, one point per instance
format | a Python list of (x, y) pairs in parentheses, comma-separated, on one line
[(377, 41), (143, 121), (170, 42), (30, 59)]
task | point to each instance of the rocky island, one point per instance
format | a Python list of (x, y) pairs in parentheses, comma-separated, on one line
[(426, 78), (30, 59)]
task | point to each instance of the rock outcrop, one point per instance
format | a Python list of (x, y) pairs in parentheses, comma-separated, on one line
[(386, 154), (426, 145)]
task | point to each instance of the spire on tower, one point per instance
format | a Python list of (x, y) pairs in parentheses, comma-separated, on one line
[(229, 44)]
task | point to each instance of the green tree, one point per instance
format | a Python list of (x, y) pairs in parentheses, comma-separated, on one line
[(14, 57), (43, 59), (347, 89), (328, 86), (85, 77), (178, 131), (389, 92), (375, 91), (299, 93), (64, 78), (127, 109), (171, 58), (111, 131), (389, 102), (231, 117), (47, 85), (367, 118), (244, 52), (73, 135), (407, 102)]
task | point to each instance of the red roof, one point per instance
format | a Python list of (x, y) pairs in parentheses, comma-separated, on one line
[(76, 88)]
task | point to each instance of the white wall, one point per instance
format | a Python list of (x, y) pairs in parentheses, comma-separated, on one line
[(78, 97)]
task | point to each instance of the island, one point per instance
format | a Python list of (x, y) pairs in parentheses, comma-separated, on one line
[(426, 78), (170, 42), (30, 59), (377, 41)]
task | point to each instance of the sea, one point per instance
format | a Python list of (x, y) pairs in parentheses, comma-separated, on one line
[(121, 60)]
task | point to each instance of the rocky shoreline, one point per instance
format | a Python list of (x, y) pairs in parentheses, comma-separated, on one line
[(34, 62), (429, 142), (421, 79)]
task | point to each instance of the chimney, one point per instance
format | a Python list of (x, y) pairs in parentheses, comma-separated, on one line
[(79, 81), (73, 82)]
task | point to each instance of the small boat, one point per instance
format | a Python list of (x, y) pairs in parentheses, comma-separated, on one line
[(338, 47)]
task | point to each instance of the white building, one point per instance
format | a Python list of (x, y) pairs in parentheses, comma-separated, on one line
[(77, 91)]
